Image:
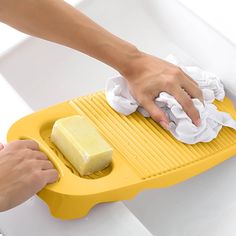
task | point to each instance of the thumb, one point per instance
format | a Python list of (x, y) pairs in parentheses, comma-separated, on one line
[(156, 114)]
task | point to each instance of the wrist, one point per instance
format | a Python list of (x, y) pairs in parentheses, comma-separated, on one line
[(131, 55), (133, 65)]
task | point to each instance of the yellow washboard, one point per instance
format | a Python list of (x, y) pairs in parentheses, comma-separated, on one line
[(144, 156)]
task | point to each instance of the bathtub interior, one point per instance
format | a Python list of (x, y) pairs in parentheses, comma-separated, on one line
[(44, 73)]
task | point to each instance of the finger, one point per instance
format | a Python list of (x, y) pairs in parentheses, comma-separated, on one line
[(45, 164), (30, 144), (186, 102), (50, 176), (156, 113), (192, 80), (192, 89), (40, 155)]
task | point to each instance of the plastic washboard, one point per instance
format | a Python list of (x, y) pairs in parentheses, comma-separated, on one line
[(144, 155)]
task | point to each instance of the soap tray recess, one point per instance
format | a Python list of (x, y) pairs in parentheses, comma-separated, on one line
[(144, 155)]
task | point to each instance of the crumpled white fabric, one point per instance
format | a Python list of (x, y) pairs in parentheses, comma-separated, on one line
[(181, 126)]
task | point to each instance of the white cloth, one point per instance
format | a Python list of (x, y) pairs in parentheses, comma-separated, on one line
[(181, 126)]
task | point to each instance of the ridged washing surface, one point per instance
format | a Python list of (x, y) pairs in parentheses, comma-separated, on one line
[(147, 147)]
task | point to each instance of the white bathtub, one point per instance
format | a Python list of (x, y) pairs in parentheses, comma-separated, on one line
[(44, 73)]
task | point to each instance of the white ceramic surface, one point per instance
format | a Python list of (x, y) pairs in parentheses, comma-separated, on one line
[(9, 37), (218, 14), (44, 73)]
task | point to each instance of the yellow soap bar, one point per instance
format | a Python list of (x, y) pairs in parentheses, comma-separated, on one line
[(81, 144)]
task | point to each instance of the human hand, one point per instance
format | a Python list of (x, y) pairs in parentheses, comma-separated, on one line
[(24, 171), (149, 76)]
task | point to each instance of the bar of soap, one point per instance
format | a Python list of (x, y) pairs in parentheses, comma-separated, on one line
[(81, 144)]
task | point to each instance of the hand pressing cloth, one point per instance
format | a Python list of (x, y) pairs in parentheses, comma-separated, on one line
[(181, 126)]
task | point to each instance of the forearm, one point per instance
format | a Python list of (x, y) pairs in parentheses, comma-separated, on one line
[(147, 76), (57, 21)]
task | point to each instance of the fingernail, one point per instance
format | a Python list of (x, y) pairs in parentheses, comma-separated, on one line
[(198, 122), (164, 124)]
